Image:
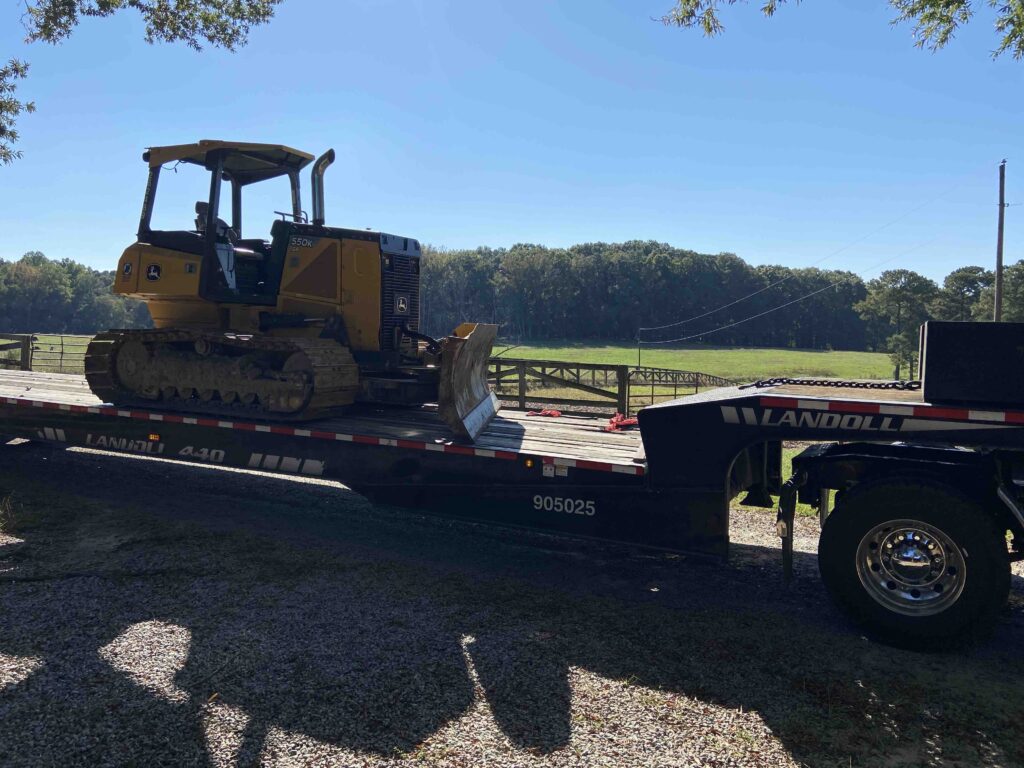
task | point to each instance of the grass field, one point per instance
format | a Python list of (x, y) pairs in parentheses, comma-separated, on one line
[(741, 364)]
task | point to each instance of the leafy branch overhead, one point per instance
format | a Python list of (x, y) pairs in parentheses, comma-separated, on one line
[(220, 23), (11, 108), (935, 21)]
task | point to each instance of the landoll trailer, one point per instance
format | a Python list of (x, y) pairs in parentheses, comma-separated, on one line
[(920, 498)]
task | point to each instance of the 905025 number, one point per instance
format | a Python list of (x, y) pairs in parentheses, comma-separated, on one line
[(568, 506)]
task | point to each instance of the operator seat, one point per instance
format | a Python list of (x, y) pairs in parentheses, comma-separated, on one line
[(223, 230)]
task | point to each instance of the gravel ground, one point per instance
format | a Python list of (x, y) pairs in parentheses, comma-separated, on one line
[(155, 614)]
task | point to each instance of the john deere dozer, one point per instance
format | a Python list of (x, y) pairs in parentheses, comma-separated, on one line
[(315, 319)]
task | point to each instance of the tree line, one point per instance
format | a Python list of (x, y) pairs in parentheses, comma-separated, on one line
[(607, 291), (39, 295), (595, 292)]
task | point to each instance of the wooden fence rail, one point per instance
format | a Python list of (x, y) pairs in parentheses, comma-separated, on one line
[(611, 389), (59, 353)]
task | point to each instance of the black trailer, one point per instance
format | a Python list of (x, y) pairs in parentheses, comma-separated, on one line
[(562, 474), (928, 510)]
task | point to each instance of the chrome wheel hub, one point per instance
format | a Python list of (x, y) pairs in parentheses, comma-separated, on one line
[(911, 567)]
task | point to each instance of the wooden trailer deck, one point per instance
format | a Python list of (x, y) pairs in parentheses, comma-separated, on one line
[(579, 438)]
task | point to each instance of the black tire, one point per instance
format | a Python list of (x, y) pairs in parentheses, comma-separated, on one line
[(965, 598)]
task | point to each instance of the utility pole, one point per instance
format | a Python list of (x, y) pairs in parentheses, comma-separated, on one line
[(998, 314)]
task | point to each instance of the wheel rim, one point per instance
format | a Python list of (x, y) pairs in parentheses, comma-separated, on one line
[(911, 567)]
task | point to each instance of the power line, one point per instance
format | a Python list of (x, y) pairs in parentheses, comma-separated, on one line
[(836, 252), (783, 306)]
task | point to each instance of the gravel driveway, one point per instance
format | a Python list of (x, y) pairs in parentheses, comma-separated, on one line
[(156, 614)]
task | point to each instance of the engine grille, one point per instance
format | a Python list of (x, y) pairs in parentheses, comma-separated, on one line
[(400, 289)]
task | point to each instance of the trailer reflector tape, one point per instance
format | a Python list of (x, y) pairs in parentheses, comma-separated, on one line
[(627, 470), (316, 467), (986, 416), (812, 405), (896, 410)]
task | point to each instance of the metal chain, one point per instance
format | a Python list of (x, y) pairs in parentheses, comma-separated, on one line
[(901, 385)]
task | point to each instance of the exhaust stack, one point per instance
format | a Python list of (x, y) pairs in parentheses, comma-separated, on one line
[(317, 185)]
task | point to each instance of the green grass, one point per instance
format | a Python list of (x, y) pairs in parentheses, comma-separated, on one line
[(739, 363)]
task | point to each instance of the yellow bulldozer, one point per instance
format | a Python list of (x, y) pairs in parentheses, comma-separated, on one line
[(294, 328)]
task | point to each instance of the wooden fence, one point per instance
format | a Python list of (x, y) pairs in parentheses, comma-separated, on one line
[(59, 354), (16, 351), (591, 387)]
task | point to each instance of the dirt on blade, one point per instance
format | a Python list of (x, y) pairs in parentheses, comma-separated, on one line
[(155, 613)]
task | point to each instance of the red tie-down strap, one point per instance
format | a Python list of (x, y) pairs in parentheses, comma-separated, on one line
[(619, 423), (546, 412)]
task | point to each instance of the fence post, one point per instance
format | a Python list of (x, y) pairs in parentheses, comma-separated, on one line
[(521, 373), (26, 353), (622, 400)]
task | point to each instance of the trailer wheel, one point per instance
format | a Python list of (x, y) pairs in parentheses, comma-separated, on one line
[(917, 565)]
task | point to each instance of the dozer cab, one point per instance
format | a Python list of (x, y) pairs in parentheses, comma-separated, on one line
[(315, 319)]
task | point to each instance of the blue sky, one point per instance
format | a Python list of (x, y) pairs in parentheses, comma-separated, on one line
[(819, 136)]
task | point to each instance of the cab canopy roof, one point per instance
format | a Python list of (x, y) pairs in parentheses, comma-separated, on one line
[(245, 163)]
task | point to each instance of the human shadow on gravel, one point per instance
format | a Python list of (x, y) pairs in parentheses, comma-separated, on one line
[(313, 613)]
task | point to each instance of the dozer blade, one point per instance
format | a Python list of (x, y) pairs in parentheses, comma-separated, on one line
[(465, 402)]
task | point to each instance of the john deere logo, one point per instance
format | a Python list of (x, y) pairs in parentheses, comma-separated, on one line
[(401, 305), (127, 268), (153, 272)]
